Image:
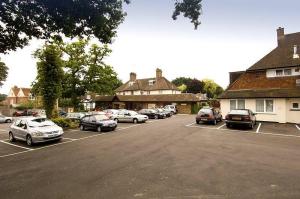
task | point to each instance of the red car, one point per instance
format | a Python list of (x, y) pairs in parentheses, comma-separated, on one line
[(25, 113), (210, 115)]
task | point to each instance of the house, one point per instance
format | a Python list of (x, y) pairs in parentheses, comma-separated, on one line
[(17, 96), (154, 92), (271, 87), (158, 85)]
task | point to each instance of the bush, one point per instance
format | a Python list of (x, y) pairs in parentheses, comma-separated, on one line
[(25, 106), (65, 122)]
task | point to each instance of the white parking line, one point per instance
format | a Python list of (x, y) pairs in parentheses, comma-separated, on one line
[(3, 130), (252, 132), (69, 138), (257, 130), (297, 127), (61, 143), (188, 125), (221, 126), (16, 145)]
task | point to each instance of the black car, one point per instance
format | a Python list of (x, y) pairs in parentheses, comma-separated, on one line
[(243, 117), (97, 122), (166, 112), (153, 114)]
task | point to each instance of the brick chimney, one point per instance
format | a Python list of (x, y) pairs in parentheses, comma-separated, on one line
[(280, 36), (158, 73), (132, 77)]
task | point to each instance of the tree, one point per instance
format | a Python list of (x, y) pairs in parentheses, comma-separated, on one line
[(212, 89), (2, 97), (49, 78), (195, 86), (181, 80), (85, 70), (3, 72), (21, 20)]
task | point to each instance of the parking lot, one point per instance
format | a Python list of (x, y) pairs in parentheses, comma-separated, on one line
[(170, 158)]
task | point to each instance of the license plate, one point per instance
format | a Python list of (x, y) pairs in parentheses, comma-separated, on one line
[(203, 119), (236, 118), (52, 135)]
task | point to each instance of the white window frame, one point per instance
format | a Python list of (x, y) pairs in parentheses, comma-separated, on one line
[(265, 107), (236, 103), (295, 109)]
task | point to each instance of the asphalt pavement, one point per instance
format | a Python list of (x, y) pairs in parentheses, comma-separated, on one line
[(162, 159)]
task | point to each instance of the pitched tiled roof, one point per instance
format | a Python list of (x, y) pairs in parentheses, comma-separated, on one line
[(26, 91), (259, 80), (281, 56), (184, 97), (143, 84), (261, 93)]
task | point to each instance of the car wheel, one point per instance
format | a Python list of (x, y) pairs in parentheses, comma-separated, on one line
[(29, 140), (82, 128), (116, 119), (135, 121), (11, 137), (8, 121), (156, 117), (228, 125), (99, 129), (198, 122), (252, 125)]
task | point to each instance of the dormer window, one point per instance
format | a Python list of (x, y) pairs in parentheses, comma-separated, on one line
[(279, 72), (151, 82), (283, 72)]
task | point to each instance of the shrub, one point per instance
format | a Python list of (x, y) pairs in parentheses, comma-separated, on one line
[(65, 122)]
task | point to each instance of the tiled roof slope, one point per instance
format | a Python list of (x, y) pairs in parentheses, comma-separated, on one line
[(281, 56), (259, 80), (143, 84)]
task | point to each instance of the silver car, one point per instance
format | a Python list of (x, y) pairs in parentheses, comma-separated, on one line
[(130, 116), (34, 130), (4, 119)]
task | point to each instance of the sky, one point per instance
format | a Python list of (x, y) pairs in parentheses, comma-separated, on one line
[(233, 35)]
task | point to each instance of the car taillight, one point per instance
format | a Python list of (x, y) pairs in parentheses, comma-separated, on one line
[(247, 118)]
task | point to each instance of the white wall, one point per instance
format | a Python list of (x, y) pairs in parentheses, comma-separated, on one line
[(279, 114), (293, 116)]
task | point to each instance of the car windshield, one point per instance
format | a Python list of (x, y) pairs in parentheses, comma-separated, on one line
[(40, 122), (205, 111), (239, 112), (133, 113), (101, 117)]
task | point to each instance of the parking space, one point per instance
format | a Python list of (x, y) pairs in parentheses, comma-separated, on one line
[(260, 128), (17, 147)]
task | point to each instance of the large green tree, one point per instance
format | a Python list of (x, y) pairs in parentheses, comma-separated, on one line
[(22, 20), (49, 76), (194, 86), (85, 70)]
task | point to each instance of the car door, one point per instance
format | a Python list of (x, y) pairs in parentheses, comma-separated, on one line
[(93, 122), (15, 128), (23, 129)]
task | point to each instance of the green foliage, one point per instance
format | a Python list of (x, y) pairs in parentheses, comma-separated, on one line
[(191, 9), (194, 86), (3, 71), (2, 97), (65, 122), (182, 88), (64, 102), (196, 107), (46, 18), (50, 74), (181, 80), (25, 106), (20, 21), (212, 89)]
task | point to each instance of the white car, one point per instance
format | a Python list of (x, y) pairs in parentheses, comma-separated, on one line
[(4, 119), (35, 130), (171, 108), (130, 116)]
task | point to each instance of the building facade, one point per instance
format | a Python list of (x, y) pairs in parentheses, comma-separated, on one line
[(271, 87), (17, 96)]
